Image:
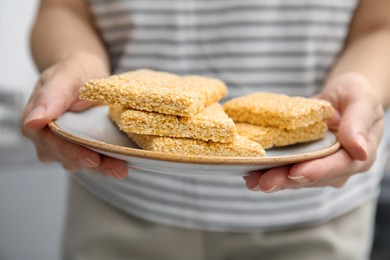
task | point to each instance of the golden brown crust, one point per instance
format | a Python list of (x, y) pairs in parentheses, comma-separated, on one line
[(212, 123), (270, 137), (240, 147), (155, 91), (277, 110)]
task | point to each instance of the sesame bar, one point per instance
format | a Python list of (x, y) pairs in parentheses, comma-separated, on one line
[(212, 123), (270, 137), (114, 113), (277, 110), (240, 147), (155, 91)]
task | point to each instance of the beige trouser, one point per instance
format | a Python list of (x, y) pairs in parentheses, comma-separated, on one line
[(96, 230)]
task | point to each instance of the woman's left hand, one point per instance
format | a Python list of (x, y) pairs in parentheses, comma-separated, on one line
[(359, 125)]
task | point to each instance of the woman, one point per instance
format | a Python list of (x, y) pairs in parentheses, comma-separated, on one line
[(335, 50)]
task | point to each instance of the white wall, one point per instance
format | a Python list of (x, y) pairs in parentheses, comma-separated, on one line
[(32, 195), (17, 70)]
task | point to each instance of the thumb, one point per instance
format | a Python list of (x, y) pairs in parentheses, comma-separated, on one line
[(357, 119), (48, 102), (80, 105)]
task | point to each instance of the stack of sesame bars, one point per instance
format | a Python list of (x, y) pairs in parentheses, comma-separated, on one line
[(168, 113), (275, 120)]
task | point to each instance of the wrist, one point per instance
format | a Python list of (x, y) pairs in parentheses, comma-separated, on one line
[(89, 63)]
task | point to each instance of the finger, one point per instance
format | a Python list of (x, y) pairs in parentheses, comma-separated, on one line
[(338, 165), (30, 103), (332, 166), (375, 135), (63, 150), (357, 120), (252, 180), (354, 129), (75, 156), (113, 167), (43, 156), (277, 179), (334, 121), (272, 180), (49, 101)]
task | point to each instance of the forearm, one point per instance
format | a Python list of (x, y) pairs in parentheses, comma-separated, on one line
[(366, 51), (60, 32), (369, 56)]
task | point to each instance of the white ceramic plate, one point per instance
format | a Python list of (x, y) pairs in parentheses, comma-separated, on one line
[(93, 129)]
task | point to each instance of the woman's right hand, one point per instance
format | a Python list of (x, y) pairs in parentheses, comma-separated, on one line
[(57, 91)]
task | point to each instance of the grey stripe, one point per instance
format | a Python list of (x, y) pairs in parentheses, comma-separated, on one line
[(160, 42), (280, 72), (241, 10), (189, 204), (242, 47), (155, 42), (158, 216), (232, 65), (179, 56), (144, 199), (224, 25), (242, 71), (344, 3), (235, 196), (266, 32), (224, 18), (200, 30), (223, 64)]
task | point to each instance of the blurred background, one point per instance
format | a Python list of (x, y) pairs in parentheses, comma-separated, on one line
[(33, 195)]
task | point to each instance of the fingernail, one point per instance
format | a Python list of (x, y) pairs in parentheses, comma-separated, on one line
[(335, 119), (275, 188), (361, 140), (256, 188), (111, 172), (300, 179), (86, 162), (117, 175), (252, 184), (36, 113)]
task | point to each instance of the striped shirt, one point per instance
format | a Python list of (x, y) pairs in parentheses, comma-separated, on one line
[(284, 46)]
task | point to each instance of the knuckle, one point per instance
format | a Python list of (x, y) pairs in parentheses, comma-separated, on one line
[(43, 156), (339, 184), (46, 75), (23, 131)]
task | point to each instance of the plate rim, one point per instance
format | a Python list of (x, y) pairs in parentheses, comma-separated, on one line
[(192, 159)]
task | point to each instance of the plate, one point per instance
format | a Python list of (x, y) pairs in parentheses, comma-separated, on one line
[(93, 129)]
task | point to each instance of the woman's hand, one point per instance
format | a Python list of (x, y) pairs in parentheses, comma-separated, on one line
[(359, 123), (56, 92)]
